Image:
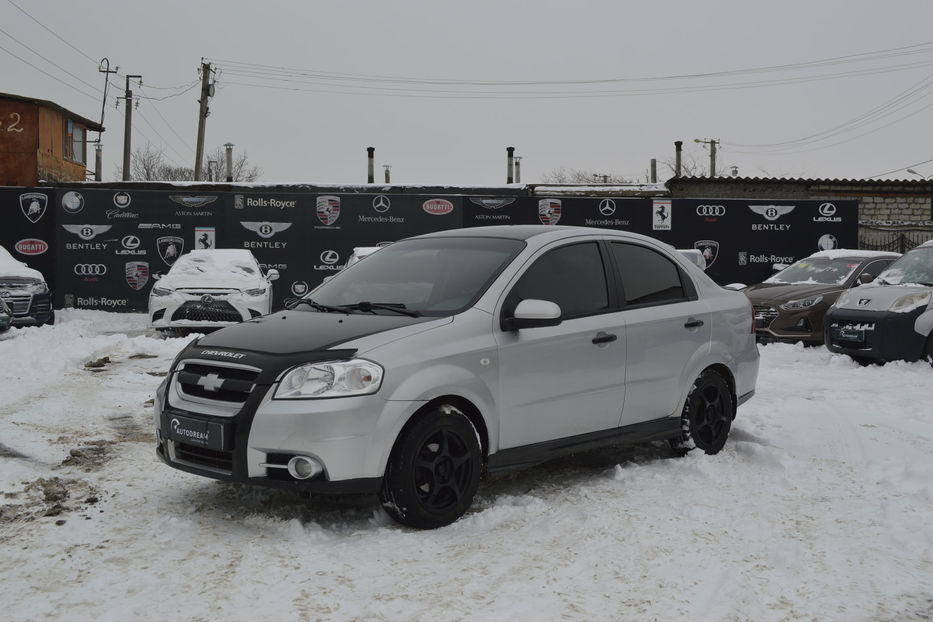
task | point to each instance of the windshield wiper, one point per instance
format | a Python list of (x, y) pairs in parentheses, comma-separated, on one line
[(318, 306), (367, 307)]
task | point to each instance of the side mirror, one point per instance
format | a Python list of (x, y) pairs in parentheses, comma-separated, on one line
[(865, 277), (533, 313), (272, 274)]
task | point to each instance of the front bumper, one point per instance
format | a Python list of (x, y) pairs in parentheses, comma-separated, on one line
[(200, 310), (876, 335), (351, 437), (775, 324), (30, 309)]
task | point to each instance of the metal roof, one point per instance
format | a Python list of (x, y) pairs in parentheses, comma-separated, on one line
[(91, 125)]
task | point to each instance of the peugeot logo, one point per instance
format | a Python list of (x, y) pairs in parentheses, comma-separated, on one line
[(607, 207), (711, 210), (330, 257), (130, 242), (381, 203), (90, 269), (863, 302), (827, 209)]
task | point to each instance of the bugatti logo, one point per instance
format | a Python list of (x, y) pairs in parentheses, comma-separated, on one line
[(266, 229), (771, 212), (607, 207), (328, 209), (438, 207), (33, 205), (491, 203), (330, 257), (170, 248), (549, 211), (381, 203), (137, 274), (86, 232), (90, 269), (711, 210), (72, 202), (31, 246), (122, 199), (299, 288), (710, 250), (191, 201), (827, 209)]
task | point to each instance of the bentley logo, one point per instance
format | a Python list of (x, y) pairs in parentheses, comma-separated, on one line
[(328, 209), (549, 211), (191, 201), (491, 203), (266, 229), (170, 248), (607, 207), (137, 274), (381, 203), (33, 205), (86, 232), (771, 212)]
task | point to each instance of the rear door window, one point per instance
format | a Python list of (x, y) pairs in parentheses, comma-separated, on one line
[(648, 277)]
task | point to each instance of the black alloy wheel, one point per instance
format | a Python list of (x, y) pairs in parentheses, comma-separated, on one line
[(708, 413), (434, 471)]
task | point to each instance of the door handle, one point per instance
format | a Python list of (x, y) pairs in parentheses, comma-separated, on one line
[(693, 323), (602, 337)]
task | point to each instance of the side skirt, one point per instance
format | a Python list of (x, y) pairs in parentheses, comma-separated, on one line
[(530, 455)]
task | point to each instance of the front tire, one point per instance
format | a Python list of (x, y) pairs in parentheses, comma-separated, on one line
[(707, 415), (434, 470)]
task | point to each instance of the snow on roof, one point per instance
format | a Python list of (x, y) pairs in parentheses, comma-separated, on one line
[(838, 253)]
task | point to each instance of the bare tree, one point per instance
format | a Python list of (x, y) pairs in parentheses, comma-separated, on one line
[(578, 176), (149, 164)]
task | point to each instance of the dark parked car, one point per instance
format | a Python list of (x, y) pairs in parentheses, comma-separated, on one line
[(24, 290), (890, 318), (791, 304)]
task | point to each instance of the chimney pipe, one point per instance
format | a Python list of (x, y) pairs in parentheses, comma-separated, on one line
[(678, 149), (229, 148), (518, 169), (654, 170), (511, 158), (371, 176), (98, 162)]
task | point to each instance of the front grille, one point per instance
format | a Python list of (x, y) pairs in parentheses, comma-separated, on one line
[(764, 315), (201, 456), (216, 382), (215, 311), (19, 303)]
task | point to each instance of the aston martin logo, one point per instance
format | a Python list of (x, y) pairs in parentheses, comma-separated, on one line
[(191, 201), (491, 203), (266, 229), (772, 212)]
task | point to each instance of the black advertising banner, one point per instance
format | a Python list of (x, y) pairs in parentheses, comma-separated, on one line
[(112, 243), (28, 229)]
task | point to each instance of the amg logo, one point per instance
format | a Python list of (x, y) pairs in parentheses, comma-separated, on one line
[(230, 355)]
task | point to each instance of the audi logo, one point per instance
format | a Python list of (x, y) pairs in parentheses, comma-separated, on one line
[(827, 209), (711, 210), (90, 269), (330, 257)]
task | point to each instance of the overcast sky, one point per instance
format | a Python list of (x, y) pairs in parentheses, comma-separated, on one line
[(454, 104)]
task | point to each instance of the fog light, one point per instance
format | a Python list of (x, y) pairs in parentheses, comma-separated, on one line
[(303, 467)]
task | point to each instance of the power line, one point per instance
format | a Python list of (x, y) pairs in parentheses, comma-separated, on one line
[(48, 61), (74, 88), (898, 170), (164, 141), (52, 31), (170, 127)]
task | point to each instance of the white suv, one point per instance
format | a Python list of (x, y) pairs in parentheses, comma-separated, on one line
[(463, 353)]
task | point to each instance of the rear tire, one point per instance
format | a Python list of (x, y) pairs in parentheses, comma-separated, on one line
[(707, 415), (434, 470)]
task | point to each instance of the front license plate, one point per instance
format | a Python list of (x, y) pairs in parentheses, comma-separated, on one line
[(850, 334), (196, 432)]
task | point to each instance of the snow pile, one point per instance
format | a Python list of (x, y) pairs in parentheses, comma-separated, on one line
[(818, 508)]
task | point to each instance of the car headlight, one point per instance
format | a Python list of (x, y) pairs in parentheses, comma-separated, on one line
[(159, 291), (330, 379), (910, 302), (37, 287), (255, 292), (803, 303)]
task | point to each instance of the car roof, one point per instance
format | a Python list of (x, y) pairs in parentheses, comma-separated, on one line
[(528, 232), (854, 253)]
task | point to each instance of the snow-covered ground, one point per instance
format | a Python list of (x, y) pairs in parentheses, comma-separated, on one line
[(819, 508)]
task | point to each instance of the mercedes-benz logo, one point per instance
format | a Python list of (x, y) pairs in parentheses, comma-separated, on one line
[(607, 207), (330, 257), (381, 203)]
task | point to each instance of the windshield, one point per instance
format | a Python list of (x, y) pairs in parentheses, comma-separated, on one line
[(915, 267), (433, 276), (815, 271), (200, 262)]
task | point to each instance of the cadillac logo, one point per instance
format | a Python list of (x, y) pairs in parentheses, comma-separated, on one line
[(328, 209), (549, 211), (137, 274)]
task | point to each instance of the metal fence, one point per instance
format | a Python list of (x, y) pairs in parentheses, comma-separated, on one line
[(898, 240)]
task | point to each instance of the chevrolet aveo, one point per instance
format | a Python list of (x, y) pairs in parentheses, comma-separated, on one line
[(460, 354)]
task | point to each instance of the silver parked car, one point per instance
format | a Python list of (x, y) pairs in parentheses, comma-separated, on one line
[(463, 353)]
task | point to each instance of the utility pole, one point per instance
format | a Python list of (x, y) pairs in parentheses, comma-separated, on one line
[(712, 142), (207, 91), (128, 128), (104, 68)]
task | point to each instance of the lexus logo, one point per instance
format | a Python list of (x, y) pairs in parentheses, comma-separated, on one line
[(607, 207), (772, 212), (130, 242), (330, 257), (207, 299), (90, 269), (827, 209), (711, 210), (381, 203)]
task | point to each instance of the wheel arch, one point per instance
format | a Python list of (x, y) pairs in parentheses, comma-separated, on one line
[(462, 404), (726, 374)]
